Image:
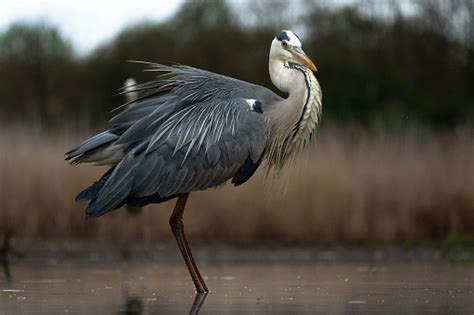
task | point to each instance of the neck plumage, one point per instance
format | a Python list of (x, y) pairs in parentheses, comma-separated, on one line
[(293, 120)]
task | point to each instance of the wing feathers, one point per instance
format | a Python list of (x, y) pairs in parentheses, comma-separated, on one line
[(193, 131)]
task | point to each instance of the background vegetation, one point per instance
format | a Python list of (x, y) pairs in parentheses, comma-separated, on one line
[(353, 188), (378, 64), (395, 154)]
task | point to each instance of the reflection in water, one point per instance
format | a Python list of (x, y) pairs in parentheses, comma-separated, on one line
[(6, 250), (133, 306), (172, 303), (199, 299), (5, 267)]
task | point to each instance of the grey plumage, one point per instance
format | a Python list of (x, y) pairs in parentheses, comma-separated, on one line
[(192, 129), (181, 138), (91, 144)]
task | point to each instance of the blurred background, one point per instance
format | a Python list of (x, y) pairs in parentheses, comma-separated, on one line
[(394, 159)]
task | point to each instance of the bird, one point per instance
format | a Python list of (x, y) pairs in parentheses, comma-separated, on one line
[(192, 129)]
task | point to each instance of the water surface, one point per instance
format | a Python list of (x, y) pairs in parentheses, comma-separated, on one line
[(144, 287)]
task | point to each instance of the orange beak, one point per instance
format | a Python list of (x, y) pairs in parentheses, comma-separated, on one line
[(301, 57)]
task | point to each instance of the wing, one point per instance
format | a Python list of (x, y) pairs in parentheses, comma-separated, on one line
[(193, 85), (198, 147), (191, 130), (179, 88)]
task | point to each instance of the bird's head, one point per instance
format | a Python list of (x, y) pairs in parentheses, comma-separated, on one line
[(286, 46)]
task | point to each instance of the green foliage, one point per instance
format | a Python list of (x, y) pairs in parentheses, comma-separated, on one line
[(394, 71)]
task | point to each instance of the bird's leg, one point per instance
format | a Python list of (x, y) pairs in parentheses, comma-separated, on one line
[(176, 223)]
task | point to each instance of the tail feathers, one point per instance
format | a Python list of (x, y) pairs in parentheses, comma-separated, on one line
[(91, 192), (89, 147), (112, 190), (115, 189), (100, 206), (95, 210)]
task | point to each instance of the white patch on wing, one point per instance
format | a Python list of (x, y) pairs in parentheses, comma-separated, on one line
[(294, 41), (251, 102)]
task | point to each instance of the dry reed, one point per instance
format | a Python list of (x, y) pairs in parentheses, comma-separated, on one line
[(353, 187)]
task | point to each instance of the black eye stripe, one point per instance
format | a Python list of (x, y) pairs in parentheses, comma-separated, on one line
[(282, 36)]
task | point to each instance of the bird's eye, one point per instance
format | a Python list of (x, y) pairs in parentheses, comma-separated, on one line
[(284, 44)]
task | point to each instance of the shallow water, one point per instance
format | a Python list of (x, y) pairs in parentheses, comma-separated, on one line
[(244, 288)]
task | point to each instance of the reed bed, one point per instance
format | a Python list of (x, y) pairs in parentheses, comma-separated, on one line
[(353, 187)]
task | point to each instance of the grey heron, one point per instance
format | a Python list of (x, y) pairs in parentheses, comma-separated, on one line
[(192, 129)]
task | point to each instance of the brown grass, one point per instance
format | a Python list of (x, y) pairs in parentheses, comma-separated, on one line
[(354, 187)]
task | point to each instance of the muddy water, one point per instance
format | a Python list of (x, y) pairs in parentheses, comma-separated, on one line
[(244, 288)]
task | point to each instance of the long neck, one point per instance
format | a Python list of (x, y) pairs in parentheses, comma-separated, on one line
[(293, 120)]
